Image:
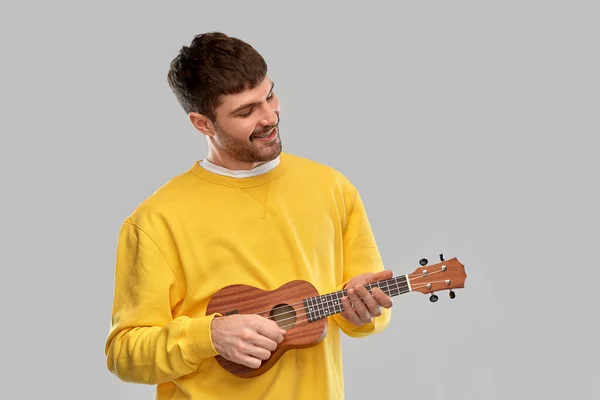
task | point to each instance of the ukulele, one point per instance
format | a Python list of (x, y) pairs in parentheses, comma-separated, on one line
[(299, 309)]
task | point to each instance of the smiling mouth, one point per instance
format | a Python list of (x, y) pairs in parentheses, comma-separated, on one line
[(266, 136)]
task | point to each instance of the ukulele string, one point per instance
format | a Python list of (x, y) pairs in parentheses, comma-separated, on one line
[(344, 292), (425, 284), (419, 276), (317, 313), (404, 286), (327, 302), (305, 321)]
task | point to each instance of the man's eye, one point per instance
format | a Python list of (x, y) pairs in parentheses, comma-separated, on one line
[(270, 96), (246, 114)]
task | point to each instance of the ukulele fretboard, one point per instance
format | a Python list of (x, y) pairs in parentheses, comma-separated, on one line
[(328, 304)]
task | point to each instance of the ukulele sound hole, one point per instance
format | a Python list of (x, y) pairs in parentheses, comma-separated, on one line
[(284, 315)]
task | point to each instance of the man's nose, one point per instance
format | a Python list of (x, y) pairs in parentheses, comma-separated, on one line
[(271, 117)]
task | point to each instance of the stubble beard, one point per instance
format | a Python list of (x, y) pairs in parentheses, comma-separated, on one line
[(248, 150)]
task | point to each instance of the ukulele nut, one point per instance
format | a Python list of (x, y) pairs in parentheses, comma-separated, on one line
[(447, 281), (443, 267), (424, 272), (429, 286)]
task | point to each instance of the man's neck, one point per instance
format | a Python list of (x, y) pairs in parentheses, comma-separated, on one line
[(223, 161)]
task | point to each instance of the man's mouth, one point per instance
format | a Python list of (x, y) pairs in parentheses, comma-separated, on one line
[(266, 136)]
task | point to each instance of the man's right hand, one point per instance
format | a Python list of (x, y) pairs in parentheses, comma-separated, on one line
[(245, 339)]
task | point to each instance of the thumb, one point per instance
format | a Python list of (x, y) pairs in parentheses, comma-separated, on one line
[(381, 275)]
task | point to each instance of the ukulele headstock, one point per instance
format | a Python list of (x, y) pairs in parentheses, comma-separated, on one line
[(445, 275)]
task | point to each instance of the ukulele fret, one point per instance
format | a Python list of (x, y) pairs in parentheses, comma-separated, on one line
[(308, 309), (320, 306), (339, 307)]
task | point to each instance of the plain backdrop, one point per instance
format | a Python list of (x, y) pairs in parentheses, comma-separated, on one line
[(470, 128)]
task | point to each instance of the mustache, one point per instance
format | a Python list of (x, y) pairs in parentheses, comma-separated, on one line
[(267, 128)]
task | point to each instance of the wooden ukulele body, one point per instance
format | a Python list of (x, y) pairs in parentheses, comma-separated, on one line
[(284, 305)]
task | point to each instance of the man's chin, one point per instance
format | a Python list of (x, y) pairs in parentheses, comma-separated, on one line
[(273, 152)]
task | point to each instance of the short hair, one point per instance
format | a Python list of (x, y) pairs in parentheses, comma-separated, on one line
[(214, 65)]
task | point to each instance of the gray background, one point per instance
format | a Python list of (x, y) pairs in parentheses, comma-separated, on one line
[(470, 128)]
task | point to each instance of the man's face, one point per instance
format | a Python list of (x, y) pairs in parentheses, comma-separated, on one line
[(246, 128)]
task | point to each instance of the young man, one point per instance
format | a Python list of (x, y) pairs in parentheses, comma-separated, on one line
[(248, 213)]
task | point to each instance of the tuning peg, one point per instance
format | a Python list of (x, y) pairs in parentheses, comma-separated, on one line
[(423, 262), (433, 298), (452, 294), (442, 257)]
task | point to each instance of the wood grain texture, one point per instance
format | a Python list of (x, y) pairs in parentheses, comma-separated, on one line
[(245, 299)]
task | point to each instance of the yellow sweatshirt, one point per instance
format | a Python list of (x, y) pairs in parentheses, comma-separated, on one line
[(202, 231)]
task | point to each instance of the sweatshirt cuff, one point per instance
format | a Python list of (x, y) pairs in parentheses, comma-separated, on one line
[(197, 341)]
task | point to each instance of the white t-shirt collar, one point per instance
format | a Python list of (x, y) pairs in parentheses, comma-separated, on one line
[(261, 169)]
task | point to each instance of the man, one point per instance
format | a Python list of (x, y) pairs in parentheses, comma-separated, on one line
[(248, 214)]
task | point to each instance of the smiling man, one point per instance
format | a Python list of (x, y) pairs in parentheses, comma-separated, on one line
[(247, 213)]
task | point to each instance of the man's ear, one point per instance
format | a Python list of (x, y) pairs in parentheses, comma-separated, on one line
[(202, 123)]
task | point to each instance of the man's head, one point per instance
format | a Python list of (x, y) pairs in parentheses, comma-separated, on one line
[(222, 84)]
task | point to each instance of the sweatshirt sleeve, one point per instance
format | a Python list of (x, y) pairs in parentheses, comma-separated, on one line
[(145, 343), (361, 255)]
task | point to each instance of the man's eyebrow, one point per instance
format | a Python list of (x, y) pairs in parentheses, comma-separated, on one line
[(253, 104)]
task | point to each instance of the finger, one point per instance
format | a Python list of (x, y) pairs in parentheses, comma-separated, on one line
[(270, 329), (381, 275), (382, 299), (372, 306), (257, 352), (349, 312), (359, 307), (263, 342), (250, 362)]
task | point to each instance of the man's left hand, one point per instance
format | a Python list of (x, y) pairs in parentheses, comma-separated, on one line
[(366, 305)]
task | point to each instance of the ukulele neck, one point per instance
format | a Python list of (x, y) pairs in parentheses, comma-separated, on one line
[(323, 306)]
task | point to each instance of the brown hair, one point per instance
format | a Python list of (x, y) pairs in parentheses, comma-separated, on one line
[(214, 65)]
